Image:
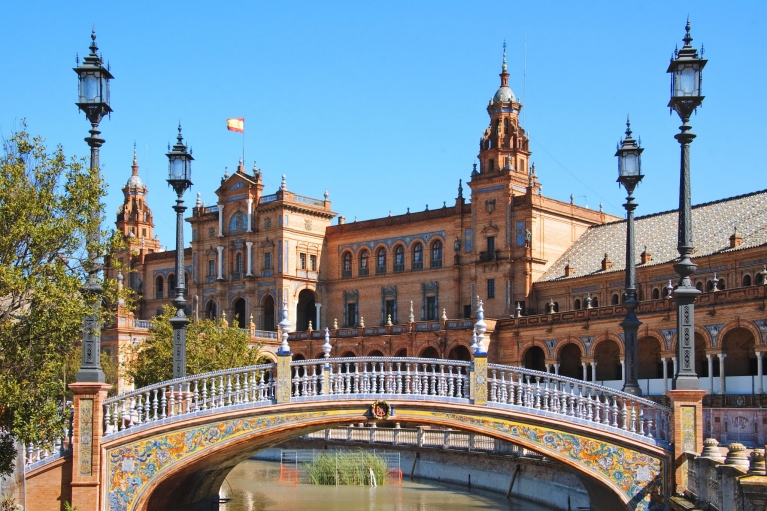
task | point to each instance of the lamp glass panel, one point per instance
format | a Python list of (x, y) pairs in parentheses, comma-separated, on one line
[(630, 164), (188, 176), (687, 81), (177, 168), (89, 89)]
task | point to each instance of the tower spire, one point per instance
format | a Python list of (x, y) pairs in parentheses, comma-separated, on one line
[(504, 56), (134, 168), (504, 69)]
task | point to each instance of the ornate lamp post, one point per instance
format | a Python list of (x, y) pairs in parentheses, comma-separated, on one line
[(180, 178), (93, 100), (685, 69), (629, 175)]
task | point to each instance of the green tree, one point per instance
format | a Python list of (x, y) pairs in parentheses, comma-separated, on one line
[(209, 347), (45, 205)]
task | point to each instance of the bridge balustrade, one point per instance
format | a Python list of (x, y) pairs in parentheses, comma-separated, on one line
[(192, 394), (378, 375), (577, 399)]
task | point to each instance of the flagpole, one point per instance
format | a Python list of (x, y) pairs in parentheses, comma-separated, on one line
[(243, 143)]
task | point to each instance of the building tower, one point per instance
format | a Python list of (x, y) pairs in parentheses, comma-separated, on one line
[(134, 217)]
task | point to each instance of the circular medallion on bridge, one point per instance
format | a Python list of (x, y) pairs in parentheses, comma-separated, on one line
[(380, 410)]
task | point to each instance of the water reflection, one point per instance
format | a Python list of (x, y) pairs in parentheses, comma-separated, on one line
[(253, 486)]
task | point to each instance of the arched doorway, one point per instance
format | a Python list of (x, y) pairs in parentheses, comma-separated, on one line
[(570, 361), (459, 352), (650, 365), (210, 310), (738, 345), (430, 352), (348, 354), (268, 304), (701, 362), (306, 310), (375, 353), (239, 312), (401, 352), (607, 355), (298, 356), (534, 359)]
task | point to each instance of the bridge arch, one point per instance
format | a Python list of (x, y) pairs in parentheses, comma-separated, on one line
[(190, 459)]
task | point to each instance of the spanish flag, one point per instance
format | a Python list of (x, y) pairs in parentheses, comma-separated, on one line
[(236, 124)]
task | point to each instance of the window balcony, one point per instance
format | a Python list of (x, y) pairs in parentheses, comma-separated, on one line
[(417, 265), (235, 275), (346, 274), (399, 268), (491, 255), (436, 264), (364, 272), (380, 270)]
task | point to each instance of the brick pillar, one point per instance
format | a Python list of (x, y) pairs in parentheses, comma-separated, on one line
[(687, 428), (479, 380), (88, 428)]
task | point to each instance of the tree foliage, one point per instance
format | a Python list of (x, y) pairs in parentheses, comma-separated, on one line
[(45, 206), (209, 347)]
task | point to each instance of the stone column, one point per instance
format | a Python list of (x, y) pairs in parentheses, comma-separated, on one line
[(556, 369), (585, 372), (722, 384), (250, 258), (88, 428), (623, 371), (673, 361), (250, 213), (710, 373), (759, 383), (317, 322), (220, 220), (665, 374), (687, 430), (220, 262), (593, 372), (548, 368)]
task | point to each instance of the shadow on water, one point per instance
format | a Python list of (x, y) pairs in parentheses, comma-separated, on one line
[(254, 486)]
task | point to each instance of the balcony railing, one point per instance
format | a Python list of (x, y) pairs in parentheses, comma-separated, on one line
[(417, 265), (399, 268), (268, 198), (309, 200), (491, 255), (436, 263), (236, 275), (347, 274), (380, 270), (364, 272)]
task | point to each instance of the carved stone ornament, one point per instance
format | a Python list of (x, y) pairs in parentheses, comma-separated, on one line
[(490, 205), (308, 225), (380, 410)]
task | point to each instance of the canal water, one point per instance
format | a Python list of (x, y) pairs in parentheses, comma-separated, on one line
[(254, 485)]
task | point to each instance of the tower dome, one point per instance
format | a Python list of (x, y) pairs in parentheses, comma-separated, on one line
[(134, 181), (504, 93)]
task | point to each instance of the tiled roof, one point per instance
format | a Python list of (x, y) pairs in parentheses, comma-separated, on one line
[(712, 223)]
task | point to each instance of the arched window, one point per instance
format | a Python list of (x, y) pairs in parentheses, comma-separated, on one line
[(699, 285), (159, 287), (577, 304), (399, 258), (381, 261), (594, 302), (746, 280), (347, 268), (710, 286), (364, 268), (615, 300), (418, 256), (720, 285), (655, 293), (238, 222), (759, 279), (436, 254), (171, 284), (238, 262)]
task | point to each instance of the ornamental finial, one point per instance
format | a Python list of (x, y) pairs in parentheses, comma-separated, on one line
[(687, 37), (93, 47), (504, 55), (628, 126)]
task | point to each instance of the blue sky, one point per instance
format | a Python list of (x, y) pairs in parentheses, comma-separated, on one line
[(383, 103)]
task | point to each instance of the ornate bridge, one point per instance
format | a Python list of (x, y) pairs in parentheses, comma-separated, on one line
[(172, 444)]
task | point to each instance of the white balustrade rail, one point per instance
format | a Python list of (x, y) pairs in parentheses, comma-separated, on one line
[(380, 375), (577, 399), (39, 451), (183, 396), (420, 437)]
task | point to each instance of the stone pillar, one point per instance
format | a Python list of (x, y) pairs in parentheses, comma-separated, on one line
[(759, 373), (317, 318), (665, 374), (250, 257), (722, 384), (479, 380), (687, 430), (556, 369), (673, 361), (623, 371), (283, 377), (710, 373), (220, 262), (593, 372), (585, 372), (548, 368), (88, 428), (250, 213), (220, 220)]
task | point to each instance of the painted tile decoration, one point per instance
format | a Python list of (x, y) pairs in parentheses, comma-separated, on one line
[(479, 381), (688, 429), (131, 467), (283, 378), (86, 437), (640, 477)]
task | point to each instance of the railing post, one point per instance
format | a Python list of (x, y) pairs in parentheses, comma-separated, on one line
[(687, 430), (283, 377), (479, 379)]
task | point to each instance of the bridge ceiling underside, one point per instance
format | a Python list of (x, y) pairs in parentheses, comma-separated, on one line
[(198, 452)]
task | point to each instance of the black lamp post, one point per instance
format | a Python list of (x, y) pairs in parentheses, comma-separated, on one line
[(629, 175), (180, 178), (93, 100), (685, 69)]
